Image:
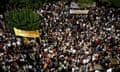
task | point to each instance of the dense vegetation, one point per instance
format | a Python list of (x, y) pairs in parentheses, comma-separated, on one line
[(24, 19), (19, 13), (15, 4)]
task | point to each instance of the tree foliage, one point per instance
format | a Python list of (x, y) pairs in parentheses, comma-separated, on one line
[(108, 2), (86, 1), (3, 6), (6, 5), (115, 3), (22, 18), (26, 3), (82, 2)]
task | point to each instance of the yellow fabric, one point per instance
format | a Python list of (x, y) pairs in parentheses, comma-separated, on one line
[(24, 33)]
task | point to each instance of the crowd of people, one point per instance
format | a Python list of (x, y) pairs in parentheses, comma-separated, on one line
[(69, 43)]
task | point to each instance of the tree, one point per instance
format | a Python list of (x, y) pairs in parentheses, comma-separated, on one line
[(116, 3), (107, 2), (26, 3), (6, 5), (24, 19), (83, 2)]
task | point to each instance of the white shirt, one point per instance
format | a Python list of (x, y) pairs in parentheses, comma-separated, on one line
[(109, 70), (97, 71)]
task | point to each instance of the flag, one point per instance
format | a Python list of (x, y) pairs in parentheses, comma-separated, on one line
[(24, 33)]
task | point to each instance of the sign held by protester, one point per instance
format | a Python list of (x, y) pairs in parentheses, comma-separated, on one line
[(25, 33), (78, 11)]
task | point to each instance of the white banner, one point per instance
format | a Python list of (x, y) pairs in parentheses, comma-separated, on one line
[(78, 11)]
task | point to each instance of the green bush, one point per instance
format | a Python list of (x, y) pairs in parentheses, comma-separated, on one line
[(22, 18)]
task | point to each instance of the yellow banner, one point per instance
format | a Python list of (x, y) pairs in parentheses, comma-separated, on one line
[(24, 33)]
